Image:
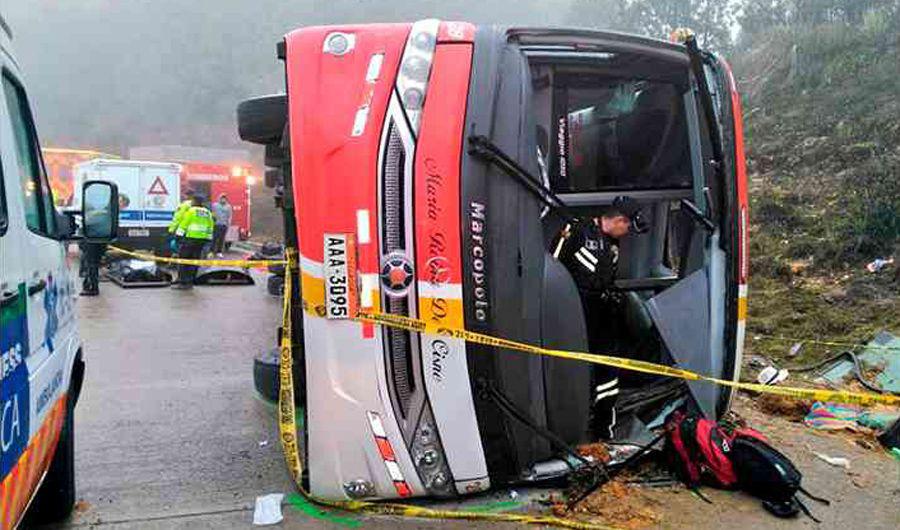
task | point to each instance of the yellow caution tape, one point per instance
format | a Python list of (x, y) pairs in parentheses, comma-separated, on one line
[(288, 434), (839, 344), (242, 263), (421, 326)]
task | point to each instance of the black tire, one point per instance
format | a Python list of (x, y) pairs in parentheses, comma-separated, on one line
[(275, 285), (261, 120), (56, 498), (266, 377)]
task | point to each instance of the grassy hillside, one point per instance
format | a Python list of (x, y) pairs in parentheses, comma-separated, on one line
[(823, 128)]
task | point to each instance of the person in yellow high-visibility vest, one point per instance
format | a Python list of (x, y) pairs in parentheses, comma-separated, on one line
[(195, 229), (184, 206)]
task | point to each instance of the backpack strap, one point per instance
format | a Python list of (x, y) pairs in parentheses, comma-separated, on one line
[(696, 490), (823, 500), (805, 510)]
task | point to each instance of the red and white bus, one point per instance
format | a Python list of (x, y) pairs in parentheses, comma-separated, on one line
[(410, 156)]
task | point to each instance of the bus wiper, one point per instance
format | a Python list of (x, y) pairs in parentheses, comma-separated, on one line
[(481, 147), (698, 215)]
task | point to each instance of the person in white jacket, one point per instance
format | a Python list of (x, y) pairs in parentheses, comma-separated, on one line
[(222, 211)]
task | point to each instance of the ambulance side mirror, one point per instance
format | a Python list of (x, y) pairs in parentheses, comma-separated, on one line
[(100, 210)]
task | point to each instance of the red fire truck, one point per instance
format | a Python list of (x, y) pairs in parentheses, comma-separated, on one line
[(211, 172)]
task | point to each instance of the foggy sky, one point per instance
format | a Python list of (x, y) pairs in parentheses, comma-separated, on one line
[(111, 74)]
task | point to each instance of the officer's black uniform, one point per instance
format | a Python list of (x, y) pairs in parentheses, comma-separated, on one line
[(591, 258), (91, 254)]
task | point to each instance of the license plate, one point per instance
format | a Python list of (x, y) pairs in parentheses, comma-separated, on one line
[(341, 290), (138, 232)]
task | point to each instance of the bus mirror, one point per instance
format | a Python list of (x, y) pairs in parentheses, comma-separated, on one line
[(100, 210)]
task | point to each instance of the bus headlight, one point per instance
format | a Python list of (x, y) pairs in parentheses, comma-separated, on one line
[(428, 457), (412, 81)]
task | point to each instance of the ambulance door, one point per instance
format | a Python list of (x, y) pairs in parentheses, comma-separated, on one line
[(48, 286), (14, 395)]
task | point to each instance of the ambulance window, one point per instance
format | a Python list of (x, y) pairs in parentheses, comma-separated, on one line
[(37, 197)]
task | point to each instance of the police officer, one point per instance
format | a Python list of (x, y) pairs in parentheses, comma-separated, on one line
[(89, 269), (176, 218), (589, 248), (194, 231), (91, 251)]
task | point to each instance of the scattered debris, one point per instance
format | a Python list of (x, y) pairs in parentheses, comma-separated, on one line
[(757, 361), (879, 263), (795, 349), (777, 405), (836, 461), (878, 420), (835, 417), (81, 506), (264, 443), (268, 509), (618, 453), (513, 494), (866, 443), (616, 503), (799, 266), (860, 481), (595, 452), (832, 416), (771, 375), (882, 355)]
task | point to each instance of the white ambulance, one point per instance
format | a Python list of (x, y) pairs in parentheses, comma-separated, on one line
[(149, 193), (41, 365)]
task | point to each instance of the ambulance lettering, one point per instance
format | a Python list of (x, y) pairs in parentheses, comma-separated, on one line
[(14, 391), (11, 423), (49, 392)]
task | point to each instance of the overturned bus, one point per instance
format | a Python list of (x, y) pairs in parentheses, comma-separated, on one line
[(417, 164)]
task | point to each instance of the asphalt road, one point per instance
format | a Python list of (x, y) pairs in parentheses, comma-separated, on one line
[(170, 433)]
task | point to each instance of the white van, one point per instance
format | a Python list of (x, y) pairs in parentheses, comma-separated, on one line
[(41, 365), (149, 193)]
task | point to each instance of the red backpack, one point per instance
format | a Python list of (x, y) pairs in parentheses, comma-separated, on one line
[(697, 449), (700, 451)]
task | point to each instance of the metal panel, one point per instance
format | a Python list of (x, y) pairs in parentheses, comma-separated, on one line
[(681, 314)]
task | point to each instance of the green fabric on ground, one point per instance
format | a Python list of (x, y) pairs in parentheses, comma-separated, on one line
[(499, 506), (882, 354), (306, 507)]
